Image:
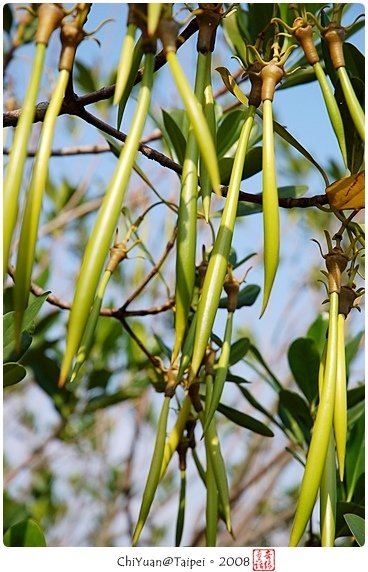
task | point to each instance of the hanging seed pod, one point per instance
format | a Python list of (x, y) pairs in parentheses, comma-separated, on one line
[(208, 20), (231, 287), (134, 20), (321, 431), (176, 434), (100, 239), (187, 227), (271, 75), (303, 32), (181, 509), (71, 35), (49, 19), (328, 496), (334, 37), (211, 487), (213, 450), (213, 282), (167, 32), (154, 471)]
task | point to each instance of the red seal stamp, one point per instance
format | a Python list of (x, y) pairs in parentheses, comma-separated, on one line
[(264, 559)]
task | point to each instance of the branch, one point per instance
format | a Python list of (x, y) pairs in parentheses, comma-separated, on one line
[(72, 107), (118, 313)]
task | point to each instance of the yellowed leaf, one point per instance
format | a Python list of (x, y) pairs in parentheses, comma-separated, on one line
[(231, 85), (348, 192)]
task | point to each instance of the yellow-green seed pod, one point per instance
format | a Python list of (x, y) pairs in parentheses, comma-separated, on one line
[(340, 413), (328, 497), (321, 432), (154, 471)]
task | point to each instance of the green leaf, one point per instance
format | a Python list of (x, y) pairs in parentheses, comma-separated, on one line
[(85, 77), (357, 527), (354, 144), (352, 348), (106, 400), (343, 508), (304, 361), (229, 131), (272, 380), (252, 165), (289, 191), (355, 396), (13, 373), (295, 415), (25, 533), (246, 297), (245, 420), (354, 61), (175, 135), (234, 37), (253, 401), (259, 17), (26, 339), (235, 378), (317, 331), (7, 18), (355, 455), (238, 350)]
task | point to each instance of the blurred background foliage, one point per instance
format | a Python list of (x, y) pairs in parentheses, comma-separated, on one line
[(76, 459)]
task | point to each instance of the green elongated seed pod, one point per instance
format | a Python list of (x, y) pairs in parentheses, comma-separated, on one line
[(181, 509), (18, 153), (217, 265), (154, 10), (173, 440), (31, 217), (197, 119), (187, 226), (187, 348), (87, 339), (356, 112), (340, 413), (271, 224), (328, 497), (321, 432), (100, 239), (212, 445), (211, 487), (154, 471), (125, 62), (209, 113), (221, 371), (332, 109), (136, 61)]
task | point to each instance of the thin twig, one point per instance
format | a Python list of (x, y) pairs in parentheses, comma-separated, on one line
[(152, 272)]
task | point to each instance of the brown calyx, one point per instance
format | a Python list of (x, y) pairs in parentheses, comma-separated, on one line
[(231, 287), (304, 34), (255, 95), (70, 36), (167, 31), (347, 298), (335, 41), (49, 18), (336, 262), (193, 392), (208, 21), (271, 75)]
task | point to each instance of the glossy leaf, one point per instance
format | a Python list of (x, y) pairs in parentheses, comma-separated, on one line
[(357, 527), (355, 396), (303, 357), (295, 414), (234, 37), (246, 297), (352, 348), (317, 331), (239, 350), (13, 373), (244, 420), (343, 508), (252, 165), (25, 533), (229, 131), (355, 464), (176, 136)]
